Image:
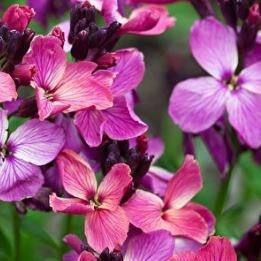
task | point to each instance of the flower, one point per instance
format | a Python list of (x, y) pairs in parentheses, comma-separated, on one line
[(18, 17), (118, 122), (145, 20), (196, 104), (175, 214), (33, 144), (62, 86), (7, 88), (157, 245), (106, 223), (216, 249)]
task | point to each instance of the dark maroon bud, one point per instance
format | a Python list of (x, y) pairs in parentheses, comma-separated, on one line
[(116, 256), (75, 16), (133, 159), (229, 11), (243, 8), (21, 207), (123, 147), (14, 43), (188, 146), (142, 143), (4, 32), (28, 108), (113, 28), (58, 33), (79, 49), (105, 255), (96, 39), (203, 7), (254, 16), (2, 45)]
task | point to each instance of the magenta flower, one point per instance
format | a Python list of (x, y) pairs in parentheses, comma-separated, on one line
[(174, 214), (65, 87), (33, 144), (145, 20), (106, 223), (7, 88), (118, 122), (217, 249), (196, 104)]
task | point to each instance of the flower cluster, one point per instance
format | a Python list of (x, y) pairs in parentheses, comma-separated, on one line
[(79, 148)]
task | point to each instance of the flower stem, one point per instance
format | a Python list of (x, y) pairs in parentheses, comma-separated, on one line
[(16, 231)]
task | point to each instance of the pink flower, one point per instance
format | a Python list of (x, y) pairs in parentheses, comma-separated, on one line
[(118, 122), (175, 214), (217, 249), (145, 20), (17, 17), (7, 88), (65, 87), (196, 104), (106, 223)]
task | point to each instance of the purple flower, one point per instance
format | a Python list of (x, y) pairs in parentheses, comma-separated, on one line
[(196, 104), (33, 144)]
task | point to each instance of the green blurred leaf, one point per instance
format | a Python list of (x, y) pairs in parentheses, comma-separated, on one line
[(5, 244), (15, 122)]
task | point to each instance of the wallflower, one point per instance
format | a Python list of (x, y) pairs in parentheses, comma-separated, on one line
[(7, 88), (154, 246), (33, 144), (149, 212), (196, 104), (65, 87), (118, 122), (106, 223)]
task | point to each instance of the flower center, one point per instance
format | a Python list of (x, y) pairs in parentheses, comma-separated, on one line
[(48, 95), (232, 83), (95, 202)]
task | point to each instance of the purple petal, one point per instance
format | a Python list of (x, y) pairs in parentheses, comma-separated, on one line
[(214, 47), (130, 71), (254, 55), (251, 78), (245, 116), (121, 122), (90, 123), (3, 127), (158, 245), (155, 147), (19, 179), (196, 104), (37, 142)]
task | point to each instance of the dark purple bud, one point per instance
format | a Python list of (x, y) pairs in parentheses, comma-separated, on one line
[(203, 7), (188, 145), (243, 8), (229, 11), (4, 32), (96, 39), (2, 45), (79, 49), (254, 16), (106, 255), (28, 108)]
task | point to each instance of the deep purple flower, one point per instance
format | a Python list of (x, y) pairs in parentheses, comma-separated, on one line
[(31, 145), (196, 104)]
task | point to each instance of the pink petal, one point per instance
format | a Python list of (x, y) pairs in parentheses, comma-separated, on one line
[(121, 122), (184, 185), (245, 116), (155, 147), (114, 185), (71, 256), (205, 213), (187, 223), (214, 47), (154, 246), (72, 206), (19, 179), (74, 242), (80, 89), (251, 78), (144, 211), (130, 71), (104, 228), (196, 104), (37, 142), (90, 123), (77, 176), (7, 88), (65, 27), (86, 256), (50, 61), (3, 126)]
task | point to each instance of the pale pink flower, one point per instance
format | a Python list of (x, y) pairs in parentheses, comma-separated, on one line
[(7, 88)]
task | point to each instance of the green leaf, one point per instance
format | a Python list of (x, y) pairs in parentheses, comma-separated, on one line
[(5, 245), (15, 122)]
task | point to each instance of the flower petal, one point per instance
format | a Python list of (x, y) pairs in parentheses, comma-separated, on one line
[(184, 185), (19, 179), (144, 211), (113, 185), (90, 123), (77, 176), (121, 122), (36, 142), (80, 89), (130, 71), (251, 78), (74, 242), (196, 104), (73, 206), (3, 126), (50, 61), (187, 223), (7, 88), (214, 47), (245, 116), (104, 228), (150, 247), (86, 256)]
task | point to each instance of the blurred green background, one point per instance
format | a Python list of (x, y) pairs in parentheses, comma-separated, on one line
[(168, 61)]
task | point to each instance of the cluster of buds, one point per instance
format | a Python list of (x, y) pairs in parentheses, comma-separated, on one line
[(87, 38)]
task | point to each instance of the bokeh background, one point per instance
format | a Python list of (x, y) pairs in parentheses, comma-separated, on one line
[(168, 61)]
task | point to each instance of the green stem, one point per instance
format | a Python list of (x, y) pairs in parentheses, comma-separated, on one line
[(67, 228), (17, 235)]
